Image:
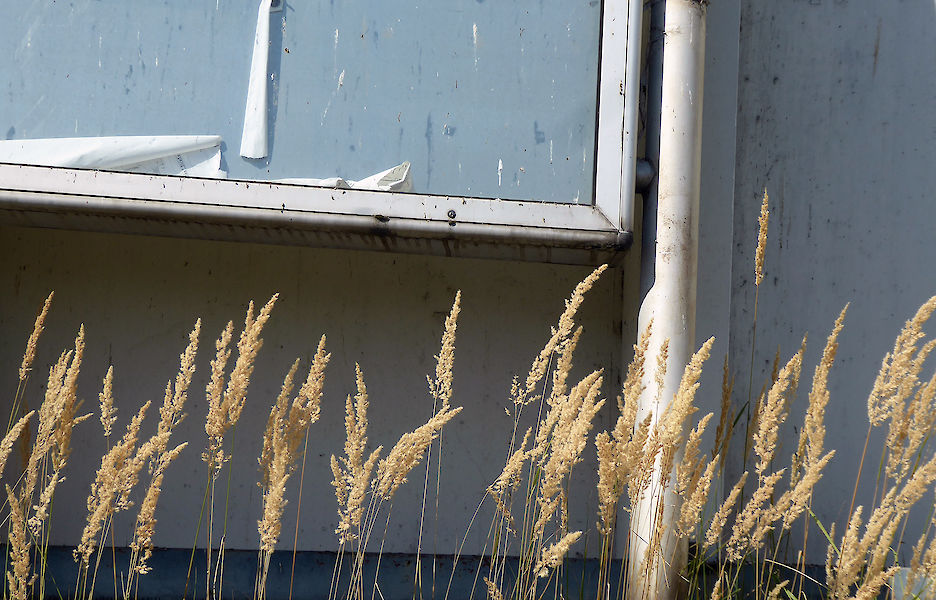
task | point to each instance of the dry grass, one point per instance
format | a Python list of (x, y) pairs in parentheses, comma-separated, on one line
[(532, 495), (224, 410), (287, 426), (353, 472), (760, 253)]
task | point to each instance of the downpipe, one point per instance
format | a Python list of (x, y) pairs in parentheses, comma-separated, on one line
[(670, 302)]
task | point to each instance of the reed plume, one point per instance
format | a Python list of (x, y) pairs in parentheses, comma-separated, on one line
[(694, 498), (563, 450), (773, 411), (510, 479), (224, 410), (225, 405), (6, 446), (690, 467), (752, 523), (440, 388), (665, 438), (900, 368), (44, 464), (761, 251), (811, 442), (106, 400), (170, 415), (19, 546), (33, 343), (717, 524), (553, 555), (619, 452), (286, 427), (725, 416), (527, 393), (352, 472), (289, 420), (115, 478), (393, 469)]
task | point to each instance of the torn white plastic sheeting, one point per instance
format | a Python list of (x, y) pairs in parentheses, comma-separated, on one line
[(200, 163), (192, 155), (396, 179), (254, 136)]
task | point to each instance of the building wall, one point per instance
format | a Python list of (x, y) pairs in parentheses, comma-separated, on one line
[(832, 100), (138, 298), (835, 120)]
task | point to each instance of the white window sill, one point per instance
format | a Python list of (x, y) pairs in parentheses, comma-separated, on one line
[(307, 216)]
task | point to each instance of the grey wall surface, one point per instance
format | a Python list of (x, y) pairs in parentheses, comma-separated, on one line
[(719, 108), (836, 120), (138, 298), (826, 103)]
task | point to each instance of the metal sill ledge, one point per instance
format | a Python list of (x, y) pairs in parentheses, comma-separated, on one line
[(262, 212)]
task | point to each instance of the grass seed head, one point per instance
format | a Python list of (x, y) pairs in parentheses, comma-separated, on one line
[(761, 251), (33, 343)]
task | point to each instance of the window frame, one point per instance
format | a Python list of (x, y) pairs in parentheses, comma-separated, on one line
[(349, 218)]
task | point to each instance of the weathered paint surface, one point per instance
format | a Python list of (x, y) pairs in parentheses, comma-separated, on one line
[(354, 87), (836, 120), (138, 297)]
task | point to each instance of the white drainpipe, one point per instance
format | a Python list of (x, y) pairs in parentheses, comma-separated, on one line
[(671, 300)]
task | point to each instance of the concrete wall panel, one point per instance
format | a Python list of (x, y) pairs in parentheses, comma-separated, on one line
[(139, 297), (835, 119)]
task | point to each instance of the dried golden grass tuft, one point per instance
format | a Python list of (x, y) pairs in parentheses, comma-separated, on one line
[(33, 343), (619, 452), (725, 417), (286, 428), (106, 400), (717, 524), (527, 394), (224, 410), (115, 478), (900, 368), (170, 415), (563, 446), (393, 469), (553, 555), (773, 412), (352, 472), (809, 449), (761, 241), (859, 567)]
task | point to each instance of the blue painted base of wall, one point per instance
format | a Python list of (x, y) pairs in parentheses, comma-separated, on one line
[(313, 575)]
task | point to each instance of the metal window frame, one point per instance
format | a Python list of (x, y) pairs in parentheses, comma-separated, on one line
[(258, 211)]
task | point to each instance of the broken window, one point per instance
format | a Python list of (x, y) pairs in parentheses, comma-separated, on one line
[(470, 99)]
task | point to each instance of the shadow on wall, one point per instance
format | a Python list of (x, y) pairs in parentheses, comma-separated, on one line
[(138, 298)]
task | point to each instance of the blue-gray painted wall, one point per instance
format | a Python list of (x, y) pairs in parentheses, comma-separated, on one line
[(355, 87)]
